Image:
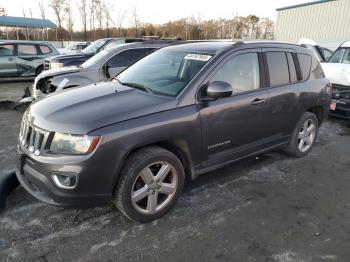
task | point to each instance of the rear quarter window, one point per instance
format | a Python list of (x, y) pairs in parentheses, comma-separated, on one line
[(305, 66), (45, 49)]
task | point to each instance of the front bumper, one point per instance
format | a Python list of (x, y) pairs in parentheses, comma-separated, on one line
[(96, 174)]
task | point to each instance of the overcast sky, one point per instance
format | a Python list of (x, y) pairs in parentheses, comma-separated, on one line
[(161, 11)]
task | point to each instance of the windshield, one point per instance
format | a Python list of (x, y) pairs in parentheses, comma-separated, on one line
[(91, 49), (95, 59), (164, 72), (342, 55)]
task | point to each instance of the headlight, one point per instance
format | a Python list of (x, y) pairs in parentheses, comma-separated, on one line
[(73, 144), (56, 65)]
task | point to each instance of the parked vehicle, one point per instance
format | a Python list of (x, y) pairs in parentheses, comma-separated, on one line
[(75, 48), (24, 58), (321, 53), (101, 67), (91, 50), (179, 112), (337, 70)]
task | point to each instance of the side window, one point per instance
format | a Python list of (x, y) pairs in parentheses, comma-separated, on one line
[(292, 70), (242, 72), (45, 49), (6, 50), (278, 68), (305, 65), (26, 50), (128, 57)]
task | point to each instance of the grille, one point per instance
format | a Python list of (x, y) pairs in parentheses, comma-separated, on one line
[(32, 138)]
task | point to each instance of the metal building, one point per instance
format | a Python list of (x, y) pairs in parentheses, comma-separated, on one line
[(324, 21)]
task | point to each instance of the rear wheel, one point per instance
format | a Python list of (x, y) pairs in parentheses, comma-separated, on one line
[(304, 135), (150, 184)]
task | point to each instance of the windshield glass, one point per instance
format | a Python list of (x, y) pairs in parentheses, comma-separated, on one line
[(342, 55), (91, 49), (164, 72), (95, 59)]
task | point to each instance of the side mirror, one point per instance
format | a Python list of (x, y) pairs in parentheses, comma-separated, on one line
[(219, 89)]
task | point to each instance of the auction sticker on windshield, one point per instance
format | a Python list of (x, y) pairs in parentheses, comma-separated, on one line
[(198, 57)]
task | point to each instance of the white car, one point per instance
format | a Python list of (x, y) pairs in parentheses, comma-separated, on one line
[(73, 48), (337, 68)]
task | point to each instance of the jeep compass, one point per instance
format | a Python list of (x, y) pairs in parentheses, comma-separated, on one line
[(177, 113)]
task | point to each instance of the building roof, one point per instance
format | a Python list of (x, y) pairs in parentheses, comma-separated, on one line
[(13, 21), (304, 4)]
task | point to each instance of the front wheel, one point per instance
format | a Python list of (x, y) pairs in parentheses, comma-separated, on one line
[(150, 183), (304, 135)]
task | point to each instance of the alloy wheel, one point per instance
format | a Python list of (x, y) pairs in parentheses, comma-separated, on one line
[(154, 187), (306, 135)]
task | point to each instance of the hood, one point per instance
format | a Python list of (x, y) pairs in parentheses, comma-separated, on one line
[(337, 73), (60, 71), (64, 58), (81, 110)]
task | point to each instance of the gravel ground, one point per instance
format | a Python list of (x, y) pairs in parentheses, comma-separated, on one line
[(13, 91), (272, 208)]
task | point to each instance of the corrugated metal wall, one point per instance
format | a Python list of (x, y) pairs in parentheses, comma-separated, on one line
[(328, 20)]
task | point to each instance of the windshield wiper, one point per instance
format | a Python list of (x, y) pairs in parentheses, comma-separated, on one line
[(137, 86)]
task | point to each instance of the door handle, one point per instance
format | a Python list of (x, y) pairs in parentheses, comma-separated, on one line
[(10, 59), (257, 101)]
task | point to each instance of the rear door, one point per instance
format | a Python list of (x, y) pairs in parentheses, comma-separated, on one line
[(28, 59), (283, 92), (7, 60)]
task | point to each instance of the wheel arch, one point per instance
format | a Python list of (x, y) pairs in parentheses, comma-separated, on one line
[(319, 112)]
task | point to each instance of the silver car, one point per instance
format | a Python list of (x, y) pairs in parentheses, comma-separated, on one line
[(24, 58)]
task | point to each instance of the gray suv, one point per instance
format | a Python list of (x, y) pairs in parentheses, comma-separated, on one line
[(179, 112), (24, 58)]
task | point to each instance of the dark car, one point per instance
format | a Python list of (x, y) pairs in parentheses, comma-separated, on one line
[(24, 58), (179, 112), (86, 53), (101, 67)]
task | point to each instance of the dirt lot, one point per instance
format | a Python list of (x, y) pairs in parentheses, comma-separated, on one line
[(273, 209), (13, 91)]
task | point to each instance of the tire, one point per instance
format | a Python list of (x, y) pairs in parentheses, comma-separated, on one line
[(39, 70), (294, 147), (154, 195)]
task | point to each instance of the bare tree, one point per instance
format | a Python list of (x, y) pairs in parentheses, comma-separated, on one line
[(92, 17), (70, 19), (83, 11), (135, 20), (120, 20), (58, 7), (42, 9), (2, 11), (106, 12)]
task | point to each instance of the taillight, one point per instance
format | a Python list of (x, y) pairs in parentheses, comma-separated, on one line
[(329, 88)]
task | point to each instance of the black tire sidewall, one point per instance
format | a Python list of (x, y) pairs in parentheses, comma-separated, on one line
[(130, 175)]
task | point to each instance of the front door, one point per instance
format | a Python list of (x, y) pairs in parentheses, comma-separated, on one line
[(236, 126), (7, 60)]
